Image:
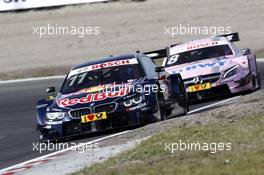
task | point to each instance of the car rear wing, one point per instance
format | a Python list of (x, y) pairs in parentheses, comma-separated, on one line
[(232, 37), (158, 54)]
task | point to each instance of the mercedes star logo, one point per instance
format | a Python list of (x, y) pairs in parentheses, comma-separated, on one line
[(198, 80)]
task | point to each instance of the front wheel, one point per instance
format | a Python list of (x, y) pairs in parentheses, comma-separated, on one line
[(182, 96), (160, 113), (256, 82)]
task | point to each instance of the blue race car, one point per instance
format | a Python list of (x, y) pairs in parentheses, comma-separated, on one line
[(110, 93)]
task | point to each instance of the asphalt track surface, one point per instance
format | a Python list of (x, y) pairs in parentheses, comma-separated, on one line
[(17, 114)]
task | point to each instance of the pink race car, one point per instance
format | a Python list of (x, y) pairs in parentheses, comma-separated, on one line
[(213, 66)]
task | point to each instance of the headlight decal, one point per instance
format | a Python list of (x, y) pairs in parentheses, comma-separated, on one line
[(232, 71), (127, 103), (137, 100), (55, 115), (132, 101)]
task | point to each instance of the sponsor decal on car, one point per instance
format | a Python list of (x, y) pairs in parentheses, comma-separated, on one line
[(100, 88), (92, 97), (103, 65), (196, 45), (53, 122), (136, 107), (202, 45), (199, 87), (180, 69), (93, 117)]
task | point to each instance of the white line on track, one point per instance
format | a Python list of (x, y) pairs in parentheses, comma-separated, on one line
[(59, 152), (214, 104), (260, 60), (32, 79)]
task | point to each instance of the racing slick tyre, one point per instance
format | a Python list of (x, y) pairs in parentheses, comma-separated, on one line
[(179, 104), (160, 113), (185, 107), (256, 82), (182, 96)]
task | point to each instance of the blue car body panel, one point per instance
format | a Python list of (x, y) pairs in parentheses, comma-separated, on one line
[(118, 115)]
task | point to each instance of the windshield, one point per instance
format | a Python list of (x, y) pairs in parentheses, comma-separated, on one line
[(199, 54), (117, 75)]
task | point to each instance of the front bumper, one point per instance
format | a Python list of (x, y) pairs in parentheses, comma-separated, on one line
[(220, 86), (134, 116)]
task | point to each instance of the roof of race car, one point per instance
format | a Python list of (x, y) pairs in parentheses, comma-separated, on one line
[(106, 59), (198, 43)]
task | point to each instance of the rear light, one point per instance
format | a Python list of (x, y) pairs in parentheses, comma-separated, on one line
[(162, 77)]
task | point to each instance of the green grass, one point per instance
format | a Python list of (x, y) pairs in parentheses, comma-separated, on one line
[(150, 157)]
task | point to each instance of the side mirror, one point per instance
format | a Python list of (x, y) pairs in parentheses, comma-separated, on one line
[(51, 92), (246, 51), (159, 69)]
